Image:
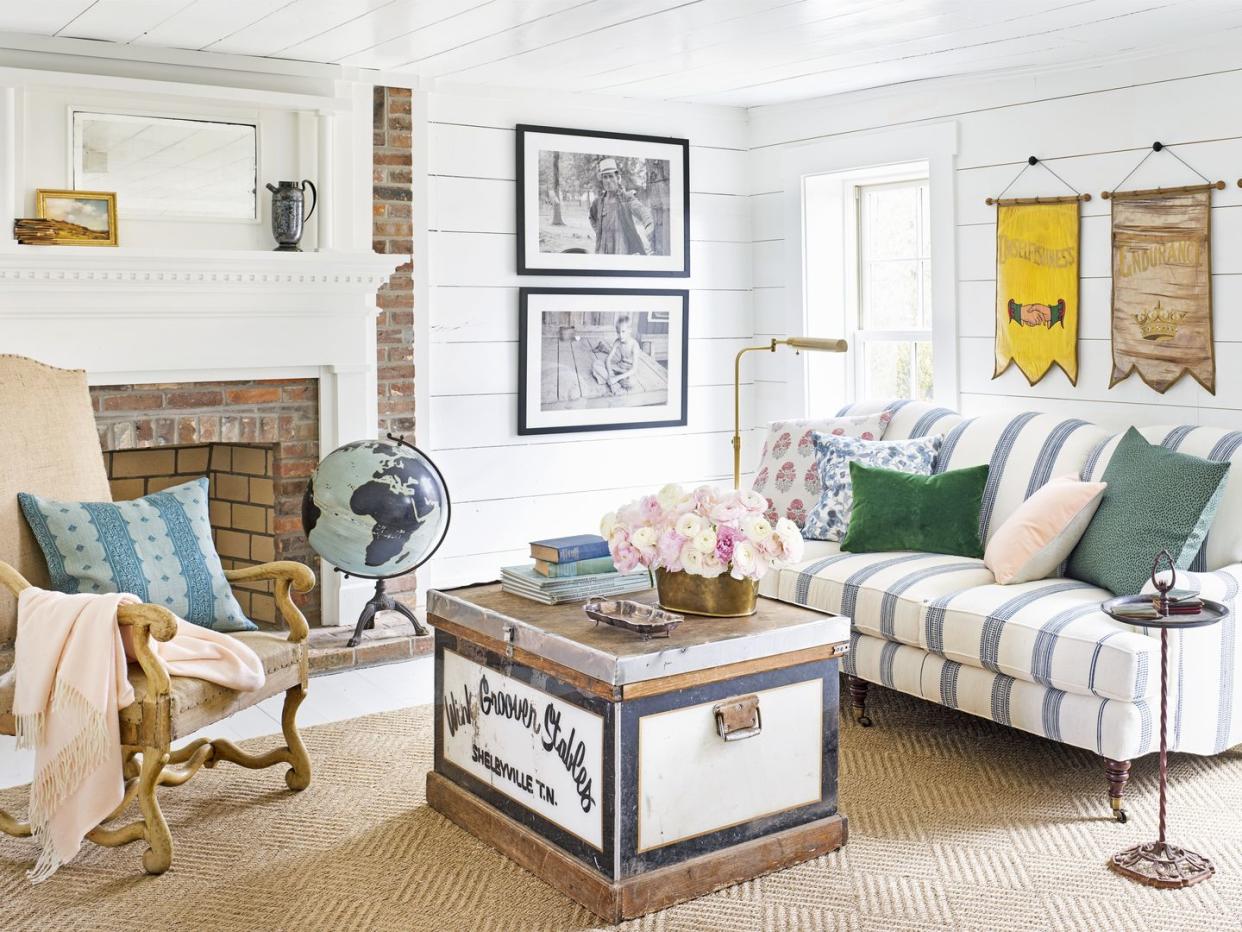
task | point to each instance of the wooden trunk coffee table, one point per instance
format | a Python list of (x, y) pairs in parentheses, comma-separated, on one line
[(634, 774)]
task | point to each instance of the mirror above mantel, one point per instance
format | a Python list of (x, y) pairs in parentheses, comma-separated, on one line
[(168, 168)]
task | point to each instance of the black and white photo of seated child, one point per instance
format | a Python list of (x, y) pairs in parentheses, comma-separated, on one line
[(613, 366)]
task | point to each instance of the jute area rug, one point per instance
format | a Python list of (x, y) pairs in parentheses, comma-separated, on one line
[(955, 823)]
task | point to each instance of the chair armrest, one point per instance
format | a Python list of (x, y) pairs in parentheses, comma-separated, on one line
[(288, 575), (12, 580), (146, 620), (149, 621)]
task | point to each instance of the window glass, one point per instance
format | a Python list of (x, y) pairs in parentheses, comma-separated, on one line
[(893, 329)]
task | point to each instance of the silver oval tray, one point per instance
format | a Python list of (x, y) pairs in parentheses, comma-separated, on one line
[(647, 621)]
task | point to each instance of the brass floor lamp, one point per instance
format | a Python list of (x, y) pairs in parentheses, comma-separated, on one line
[(815, 344)]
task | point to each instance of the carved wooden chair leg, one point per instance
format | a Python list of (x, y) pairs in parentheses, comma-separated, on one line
[(130, 767), (10, 826), (158, 856), (1118, 772), (299, 774), (858, 700)]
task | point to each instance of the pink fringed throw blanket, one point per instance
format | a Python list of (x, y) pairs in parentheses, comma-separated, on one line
[(71, 682)]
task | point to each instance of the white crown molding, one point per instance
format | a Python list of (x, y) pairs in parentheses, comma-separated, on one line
[(100, 268)]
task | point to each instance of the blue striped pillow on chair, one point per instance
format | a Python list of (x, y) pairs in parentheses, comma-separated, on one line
[(158, 547)]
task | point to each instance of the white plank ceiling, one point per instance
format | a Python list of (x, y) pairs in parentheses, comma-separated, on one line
[(738, 52)]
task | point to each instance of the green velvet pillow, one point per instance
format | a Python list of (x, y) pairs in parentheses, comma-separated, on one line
[(904, 511), (1157, 499)]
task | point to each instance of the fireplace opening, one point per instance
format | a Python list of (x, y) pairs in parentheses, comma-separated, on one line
[(242, 499), (255, 442)]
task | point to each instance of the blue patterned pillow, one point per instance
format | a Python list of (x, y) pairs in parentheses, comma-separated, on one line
[(830, 518), (159, 548)]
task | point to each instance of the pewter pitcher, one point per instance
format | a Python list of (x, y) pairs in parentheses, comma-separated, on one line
[(288, 223)]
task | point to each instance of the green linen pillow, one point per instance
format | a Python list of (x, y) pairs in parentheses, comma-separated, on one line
[(158, 547), (1157, 499), (904, 511)]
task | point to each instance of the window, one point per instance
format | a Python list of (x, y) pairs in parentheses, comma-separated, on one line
[(890, 298)]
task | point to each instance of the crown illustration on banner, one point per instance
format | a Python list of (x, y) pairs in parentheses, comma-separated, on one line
[(1159, 324)]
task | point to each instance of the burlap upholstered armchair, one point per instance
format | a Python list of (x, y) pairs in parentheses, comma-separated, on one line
[(49, 446)]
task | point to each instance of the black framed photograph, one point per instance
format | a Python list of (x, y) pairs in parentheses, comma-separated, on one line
[(596, 203), (601, 359)]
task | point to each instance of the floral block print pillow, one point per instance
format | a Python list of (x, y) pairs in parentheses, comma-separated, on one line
[(787, 476), (830, 518)]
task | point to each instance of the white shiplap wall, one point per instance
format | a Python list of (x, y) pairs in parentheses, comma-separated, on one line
[(1092, 125), (508, 490)]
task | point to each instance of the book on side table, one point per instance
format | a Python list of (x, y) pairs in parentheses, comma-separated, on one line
[(576, 568), (524, 581), (571, 569), (569, 549)]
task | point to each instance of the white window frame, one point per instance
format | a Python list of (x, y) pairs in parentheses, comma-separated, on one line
[(935, 145), (854, 284)]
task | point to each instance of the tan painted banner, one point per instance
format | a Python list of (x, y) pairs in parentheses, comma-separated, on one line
[(1162, 288), (1037, 288)]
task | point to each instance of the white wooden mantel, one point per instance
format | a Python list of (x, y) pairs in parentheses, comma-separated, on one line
[(130, 316)]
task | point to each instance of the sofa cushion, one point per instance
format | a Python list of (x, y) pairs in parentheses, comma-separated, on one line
[(834, 454), (1049, 632), (931, 514), (1023, 451), (1120, 730), (194, 703), (1157, 499), (1037, 538), (1223, 546), (787, 475)]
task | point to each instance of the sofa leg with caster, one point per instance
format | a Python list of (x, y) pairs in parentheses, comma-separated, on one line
[(858, 700), (1118, 772)]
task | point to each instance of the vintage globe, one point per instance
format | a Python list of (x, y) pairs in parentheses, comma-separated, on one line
[(375, 508)]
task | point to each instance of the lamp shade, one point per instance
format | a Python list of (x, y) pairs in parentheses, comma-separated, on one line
[(821, 344)]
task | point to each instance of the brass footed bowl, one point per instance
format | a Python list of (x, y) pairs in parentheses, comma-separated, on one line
[(719, 597)]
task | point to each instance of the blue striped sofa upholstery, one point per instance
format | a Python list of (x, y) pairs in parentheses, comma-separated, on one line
[(1039, 656)]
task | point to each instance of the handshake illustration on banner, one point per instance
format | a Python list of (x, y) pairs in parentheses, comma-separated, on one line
[(1037, 315)]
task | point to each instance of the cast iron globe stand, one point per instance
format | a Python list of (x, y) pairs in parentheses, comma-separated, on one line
[(382, 601)]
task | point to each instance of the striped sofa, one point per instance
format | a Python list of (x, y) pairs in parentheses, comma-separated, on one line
[(1038, 656)]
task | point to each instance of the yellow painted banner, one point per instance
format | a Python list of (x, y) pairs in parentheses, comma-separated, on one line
[(1037, 288)]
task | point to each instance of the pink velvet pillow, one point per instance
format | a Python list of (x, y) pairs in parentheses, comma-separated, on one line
[(1040, 535)]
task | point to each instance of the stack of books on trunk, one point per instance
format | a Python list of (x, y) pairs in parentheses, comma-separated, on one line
[(571, 569)]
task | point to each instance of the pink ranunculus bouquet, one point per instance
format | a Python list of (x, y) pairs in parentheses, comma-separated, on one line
[(706, 532)]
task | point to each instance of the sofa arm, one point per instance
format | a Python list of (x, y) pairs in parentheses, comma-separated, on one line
[(288, 576), (1220, 585), (1205, 669)]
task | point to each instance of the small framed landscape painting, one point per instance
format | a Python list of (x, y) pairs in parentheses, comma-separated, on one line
[(80, 218), (601, 359), (594, 203)]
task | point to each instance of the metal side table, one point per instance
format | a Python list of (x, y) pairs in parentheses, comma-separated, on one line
[(1158, 863)]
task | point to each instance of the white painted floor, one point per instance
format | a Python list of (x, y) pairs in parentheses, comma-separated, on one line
[(329, 698)]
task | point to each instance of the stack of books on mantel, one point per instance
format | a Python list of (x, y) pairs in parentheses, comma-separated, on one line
[(571, 569), (30, 231)]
